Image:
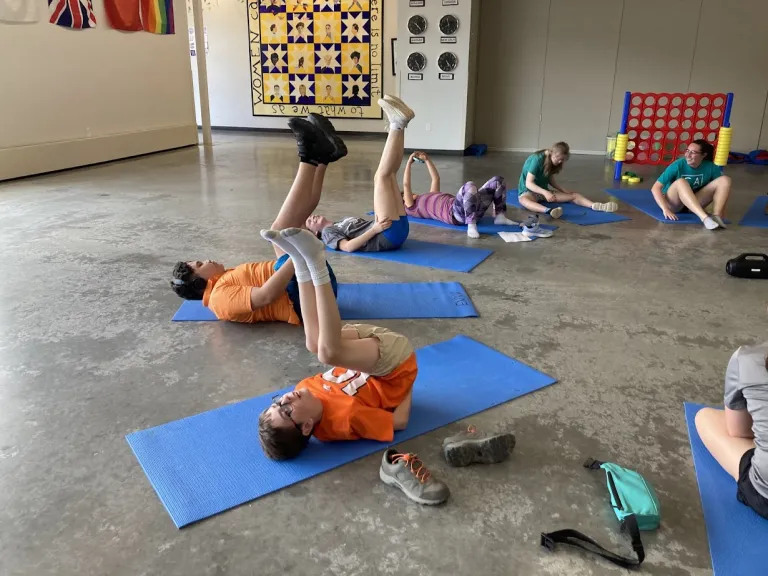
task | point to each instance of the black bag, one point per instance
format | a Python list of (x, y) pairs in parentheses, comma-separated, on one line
[(748, 266)]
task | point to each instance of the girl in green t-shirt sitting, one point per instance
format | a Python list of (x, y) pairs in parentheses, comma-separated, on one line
[(693, 183), (537, 184)]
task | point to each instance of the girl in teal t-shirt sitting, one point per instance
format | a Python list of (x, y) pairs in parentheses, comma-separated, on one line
[(537, 184), (693, 183)]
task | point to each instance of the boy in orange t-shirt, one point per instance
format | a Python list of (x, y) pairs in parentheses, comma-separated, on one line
[(268, 291), (367, 394)]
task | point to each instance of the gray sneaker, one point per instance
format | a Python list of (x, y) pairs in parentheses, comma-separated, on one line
[(472, 446), (407, 472)]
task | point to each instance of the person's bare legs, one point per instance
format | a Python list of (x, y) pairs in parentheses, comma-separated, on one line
[(726, 449), (717, 191), (332, 348), (398, 195), (574, 197), (317, 189), (303, 279), (300, 201), (528, 202), (681, 194), (309, 314), (386, 194)]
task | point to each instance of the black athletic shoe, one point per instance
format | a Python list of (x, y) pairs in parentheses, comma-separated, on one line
[(339, 148), (313, 145)]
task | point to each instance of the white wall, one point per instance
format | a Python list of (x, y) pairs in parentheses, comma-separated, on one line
[(579, 58), (511, 81), (76, 97), (441, 106), (577, 98), (229, 69)]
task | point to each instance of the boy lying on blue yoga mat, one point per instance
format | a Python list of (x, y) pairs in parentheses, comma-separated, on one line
[(268, 291), (738, 436), (389, 228), (367, 392)]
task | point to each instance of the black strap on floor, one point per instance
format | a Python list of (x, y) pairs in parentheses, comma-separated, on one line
[(576, 538)]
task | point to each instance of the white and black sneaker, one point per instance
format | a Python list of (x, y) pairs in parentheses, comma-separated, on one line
[(532, 229)]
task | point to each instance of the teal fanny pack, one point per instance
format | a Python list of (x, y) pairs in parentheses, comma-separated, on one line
[(635, 504)]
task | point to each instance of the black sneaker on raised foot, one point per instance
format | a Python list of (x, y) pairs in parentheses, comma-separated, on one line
[(314, 146), (472, 446), (326, 127)]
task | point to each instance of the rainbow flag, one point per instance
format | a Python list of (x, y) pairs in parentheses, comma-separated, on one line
[(157, 16)]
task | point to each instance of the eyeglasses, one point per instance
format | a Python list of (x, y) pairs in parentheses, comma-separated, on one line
[(692, 152), (286, 410)]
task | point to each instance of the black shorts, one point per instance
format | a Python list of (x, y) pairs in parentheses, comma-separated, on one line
[(746, 493)]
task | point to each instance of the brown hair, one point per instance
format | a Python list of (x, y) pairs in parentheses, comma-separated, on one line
[(707, 150), (549, 168), (281, 443)]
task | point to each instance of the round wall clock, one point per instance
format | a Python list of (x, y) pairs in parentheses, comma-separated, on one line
[(416, 62), (447, 61), (449, 24), (417, 24)]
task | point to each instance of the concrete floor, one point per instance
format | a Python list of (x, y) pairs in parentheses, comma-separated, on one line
[(633, 318)]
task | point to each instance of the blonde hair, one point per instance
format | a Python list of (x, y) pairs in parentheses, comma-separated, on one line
[(549, 168)]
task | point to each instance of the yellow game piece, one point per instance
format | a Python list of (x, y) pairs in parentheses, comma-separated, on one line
[(625, 177), (634, 180)]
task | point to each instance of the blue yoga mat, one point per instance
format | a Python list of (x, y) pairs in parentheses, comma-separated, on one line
[(756, 216), (485, 226), (367, 301), (737, 535), (431, 255), (208, 463), (643, 201), (573, 213), (194, 311)]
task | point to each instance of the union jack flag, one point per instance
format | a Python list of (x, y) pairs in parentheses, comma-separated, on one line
[(76, 14)]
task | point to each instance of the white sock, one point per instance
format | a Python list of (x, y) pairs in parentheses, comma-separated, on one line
[(299, 265), (502, 220), (710, 224), (472, 230), (313, 252)]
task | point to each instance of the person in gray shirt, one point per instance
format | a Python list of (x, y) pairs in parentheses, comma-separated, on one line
[(738, 436), (389, 228), (359, 234)]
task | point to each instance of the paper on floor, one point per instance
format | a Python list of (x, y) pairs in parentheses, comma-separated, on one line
[(515, 237)]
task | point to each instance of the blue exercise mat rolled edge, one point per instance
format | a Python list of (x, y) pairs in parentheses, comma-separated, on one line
[(376, 301), (756, 216), (208, 463), (485, 226), (573, 213), (642, 199), (737, 535), (429, 255)]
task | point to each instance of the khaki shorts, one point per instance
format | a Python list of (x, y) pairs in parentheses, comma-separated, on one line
[(394, 348)]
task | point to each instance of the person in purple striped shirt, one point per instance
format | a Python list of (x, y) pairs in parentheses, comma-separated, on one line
[(466, 208)]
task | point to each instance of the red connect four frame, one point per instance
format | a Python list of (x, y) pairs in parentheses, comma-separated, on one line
[(660, 125)]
